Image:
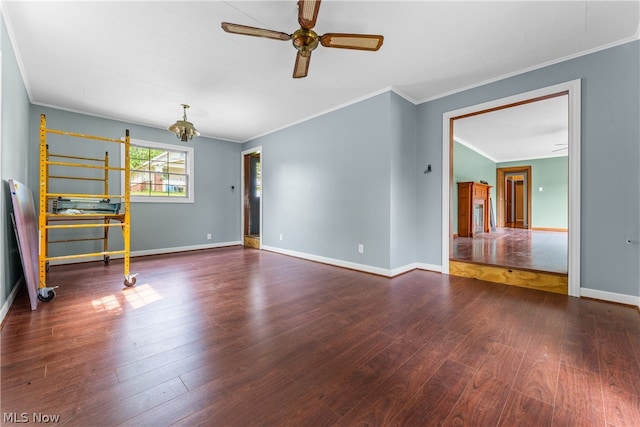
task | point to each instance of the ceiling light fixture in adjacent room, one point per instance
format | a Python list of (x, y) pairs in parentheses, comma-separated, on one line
[(184, 130)]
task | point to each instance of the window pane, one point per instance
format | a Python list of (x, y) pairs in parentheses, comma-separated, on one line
[(140, 181), (158, 173)]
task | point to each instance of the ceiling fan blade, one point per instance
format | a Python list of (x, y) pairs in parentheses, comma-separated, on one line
[(302, 64), (352, 41), (308, 13), (253, 31)]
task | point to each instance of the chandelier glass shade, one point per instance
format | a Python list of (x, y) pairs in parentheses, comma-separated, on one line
[(184, 129)]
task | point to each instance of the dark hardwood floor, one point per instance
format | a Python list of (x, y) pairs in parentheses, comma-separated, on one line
[(514, 247), (241, 337)]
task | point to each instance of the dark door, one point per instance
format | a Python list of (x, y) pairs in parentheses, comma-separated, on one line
[(252, 196)]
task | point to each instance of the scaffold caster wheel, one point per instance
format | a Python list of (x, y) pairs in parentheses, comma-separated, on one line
[(129, 283), (51, 294), (107, 260)]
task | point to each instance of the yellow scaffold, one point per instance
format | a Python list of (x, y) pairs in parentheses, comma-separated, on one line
[(81, 210)]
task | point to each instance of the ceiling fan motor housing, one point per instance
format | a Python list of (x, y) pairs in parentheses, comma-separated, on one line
[(305, 40)]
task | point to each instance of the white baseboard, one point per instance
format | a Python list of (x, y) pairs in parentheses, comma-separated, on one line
[(416, 266), (352, 265), (184, 248), (152, 252), (429, 267), (331, 261), (610, 296), (401, 270), (12, 296)]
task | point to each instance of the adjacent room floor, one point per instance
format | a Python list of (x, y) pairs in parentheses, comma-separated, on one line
[(243, 337), (513, 247)]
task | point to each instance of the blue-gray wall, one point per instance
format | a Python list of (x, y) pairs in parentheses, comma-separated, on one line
[(402, 140), (15, 158), (610, 132), (343, 179), (327, 184)]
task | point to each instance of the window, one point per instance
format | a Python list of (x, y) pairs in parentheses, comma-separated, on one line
[(160, 172), (258, 179)]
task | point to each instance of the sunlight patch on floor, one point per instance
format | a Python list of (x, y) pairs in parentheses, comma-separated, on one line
[(138, 296), (141, 295), (109, 303)]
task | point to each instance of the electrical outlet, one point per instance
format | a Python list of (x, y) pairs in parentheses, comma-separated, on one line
[(281, 237), (360, 248), (209, 236)]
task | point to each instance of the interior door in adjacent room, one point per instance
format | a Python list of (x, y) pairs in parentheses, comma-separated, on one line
[(514, 197)]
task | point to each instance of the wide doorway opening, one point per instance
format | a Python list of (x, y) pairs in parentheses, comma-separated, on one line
[(528, 187)]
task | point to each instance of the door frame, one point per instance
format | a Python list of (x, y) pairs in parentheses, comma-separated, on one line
[(573, 90), (256, 150), (501, 174)]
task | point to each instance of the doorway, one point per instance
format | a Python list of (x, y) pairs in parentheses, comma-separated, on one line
[(572, 90), (251, 198), (513, 197), (514, 206)]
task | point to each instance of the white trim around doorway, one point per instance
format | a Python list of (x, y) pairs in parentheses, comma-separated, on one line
[(573, 88)]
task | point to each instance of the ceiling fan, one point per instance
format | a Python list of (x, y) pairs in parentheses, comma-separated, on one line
[(305, 40)]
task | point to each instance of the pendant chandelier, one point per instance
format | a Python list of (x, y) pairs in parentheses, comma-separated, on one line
[(184, 130)]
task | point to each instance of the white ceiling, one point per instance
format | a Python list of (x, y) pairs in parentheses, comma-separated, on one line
[(138, 61), (528, 131)]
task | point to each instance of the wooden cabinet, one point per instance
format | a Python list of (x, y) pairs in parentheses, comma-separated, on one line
[(473, 208)]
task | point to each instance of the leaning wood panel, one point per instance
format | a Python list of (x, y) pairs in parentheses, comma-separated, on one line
[(26, 229), (540, 280)]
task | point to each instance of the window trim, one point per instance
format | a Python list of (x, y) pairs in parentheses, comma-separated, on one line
[(189, 170)]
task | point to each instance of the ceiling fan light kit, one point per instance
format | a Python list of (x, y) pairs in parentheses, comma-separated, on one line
[(184, 129), (305, 40)]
